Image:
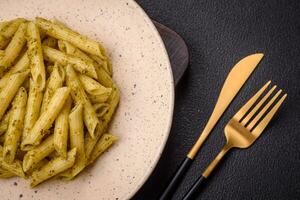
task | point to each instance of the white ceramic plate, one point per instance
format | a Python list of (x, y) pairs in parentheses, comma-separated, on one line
[(142, 71)]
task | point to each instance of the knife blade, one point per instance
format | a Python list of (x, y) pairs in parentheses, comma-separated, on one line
[(232, 85)]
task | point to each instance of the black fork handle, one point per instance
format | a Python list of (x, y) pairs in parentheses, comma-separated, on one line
[(190, 195), (176, 179)]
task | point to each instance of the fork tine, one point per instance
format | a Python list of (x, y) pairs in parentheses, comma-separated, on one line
[(262, 125), (262, 112), (239, 115), (255, 109)]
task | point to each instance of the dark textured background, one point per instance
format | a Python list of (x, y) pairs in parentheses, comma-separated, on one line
[(218, 34)]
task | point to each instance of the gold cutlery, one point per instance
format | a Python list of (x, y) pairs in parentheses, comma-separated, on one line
[(233, 83), (244, 128)]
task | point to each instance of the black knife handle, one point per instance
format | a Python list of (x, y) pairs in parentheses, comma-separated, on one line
[(173, 184), (190, 195)]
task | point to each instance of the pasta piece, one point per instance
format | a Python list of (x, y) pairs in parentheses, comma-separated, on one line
[(14, 48), (9, 28), (9, 91), (94, 88), (97, 99), (4, 123), (50, 68), (4, 25), (37, 154), (82, 66), (59, 23), (103, 77), (5, 174), (46, 118), (8, 31), (91, 142), (35, 54), (37, 166), (102, 145), (78, 94), (15, 167), (68, 48), (54, 167), (63, 33), (76, 141), (15, 126), (50, 42), (55, 81), (97, 61), (101, 109), (3, 42), (2, 53), (105, 64), (21, 65), (61, 129), (33, 109)]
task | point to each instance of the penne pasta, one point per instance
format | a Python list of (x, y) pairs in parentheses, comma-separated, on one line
[(91, 142), (54, 167), (76, 141), (2, 53), (4, 25), (32, 110), (15, 167), (68, 48), (78, 94), (8, 30), (106, 141), (101, 109), (104, 63), (9, 91), (5, 173), (35, 54), (46, 118), (50, 42), (97, 99), (50, 68), (21, 65), (61, 32), (94, 88), (103, 78), (97, 61), (42, 135), (37, 154), (14, 48), (4, 123), (80, 65), (15, 126), (61, 129), (37, 166), (55, 81)]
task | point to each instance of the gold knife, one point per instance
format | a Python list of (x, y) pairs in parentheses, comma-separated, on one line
[(232, 85)]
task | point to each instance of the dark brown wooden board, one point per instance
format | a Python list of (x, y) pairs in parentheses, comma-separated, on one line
[(177, 50)]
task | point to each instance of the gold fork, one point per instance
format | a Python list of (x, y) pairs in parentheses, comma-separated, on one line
[(244, 128)]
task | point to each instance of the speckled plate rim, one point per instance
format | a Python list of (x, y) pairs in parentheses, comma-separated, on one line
[(172, 102)]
